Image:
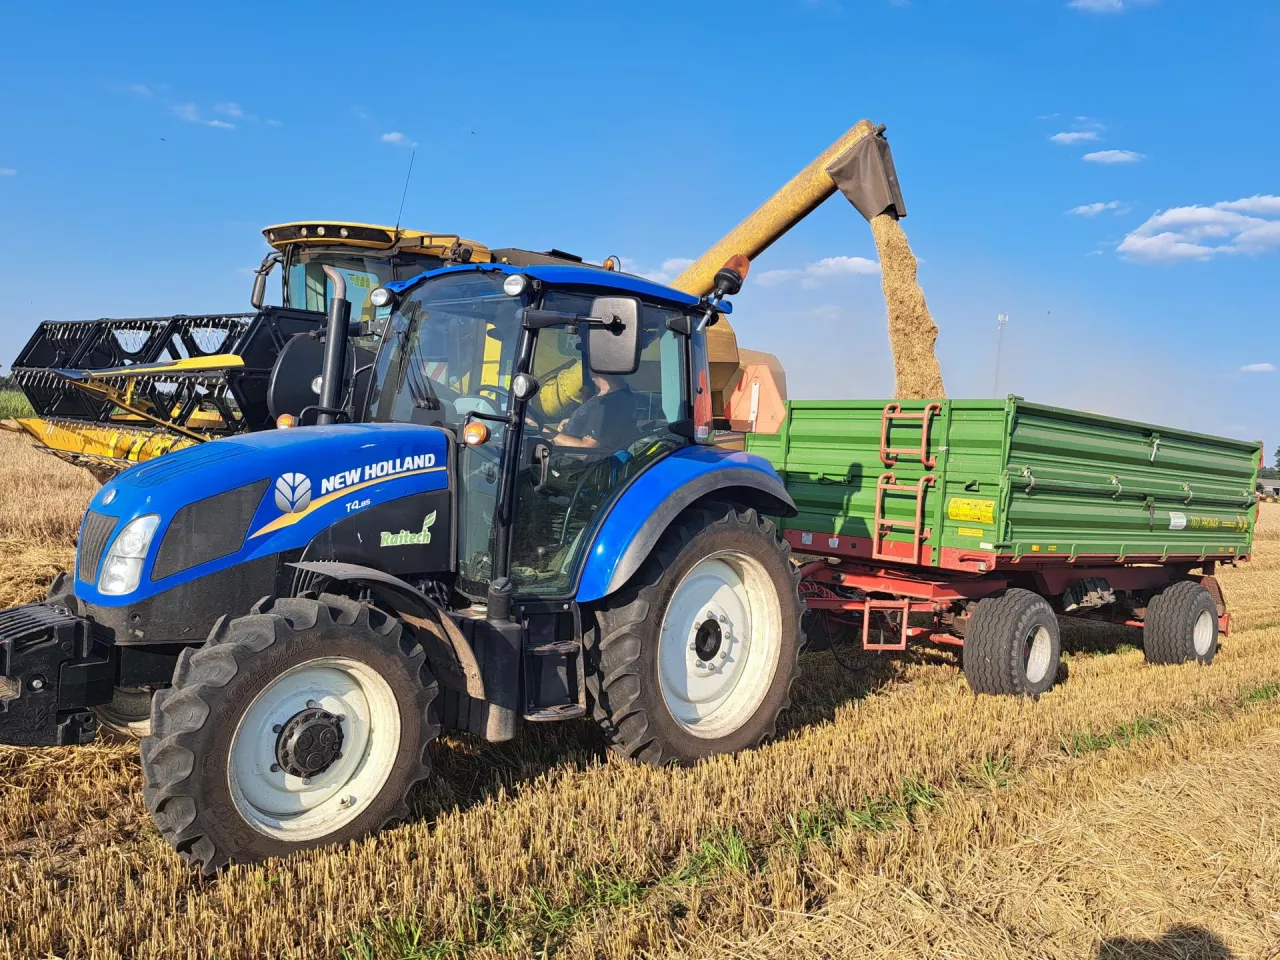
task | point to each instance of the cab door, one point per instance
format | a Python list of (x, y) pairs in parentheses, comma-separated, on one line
[(562, 489)]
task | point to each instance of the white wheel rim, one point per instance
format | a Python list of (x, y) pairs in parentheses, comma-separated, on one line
[(288, 807), (720, 643), (1038, 651), (1203, 635)]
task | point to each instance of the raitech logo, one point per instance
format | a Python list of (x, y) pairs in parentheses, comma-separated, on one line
[(293, 492)]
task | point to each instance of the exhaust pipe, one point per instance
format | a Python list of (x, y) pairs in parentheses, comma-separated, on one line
[(335, 347)]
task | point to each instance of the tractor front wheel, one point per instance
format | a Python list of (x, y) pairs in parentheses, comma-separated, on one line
[(304, 723), (695, 656)]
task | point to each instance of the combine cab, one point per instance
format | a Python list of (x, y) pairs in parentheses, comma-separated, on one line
[(110, 393)]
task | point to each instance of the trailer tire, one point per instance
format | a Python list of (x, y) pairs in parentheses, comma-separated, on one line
[(1181, 625), (211, 783), (1012, 645), (663, 697)]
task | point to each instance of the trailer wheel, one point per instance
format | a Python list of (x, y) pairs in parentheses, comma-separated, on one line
[(304, 723), (696, 655), (1181, 625), (1012, 645)]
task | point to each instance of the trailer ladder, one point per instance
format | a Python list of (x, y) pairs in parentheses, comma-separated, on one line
[(882, 526), (893, 411)]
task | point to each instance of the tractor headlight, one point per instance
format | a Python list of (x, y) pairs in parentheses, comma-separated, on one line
[(381, 297), (122, 569)]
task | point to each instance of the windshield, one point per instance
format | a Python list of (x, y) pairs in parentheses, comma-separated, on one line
[(450, 350), (307, 288)]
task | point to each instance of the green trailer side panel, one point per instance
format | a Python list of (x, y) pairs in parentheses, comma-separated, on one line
[(1018, 479)]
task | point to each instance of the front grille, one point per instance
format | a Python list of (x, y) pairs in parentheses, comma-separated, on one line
[(94, 535), (208, 529)]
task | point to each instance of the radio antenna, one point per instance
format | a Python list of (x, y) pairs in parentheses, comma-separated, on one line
[(400, 212)]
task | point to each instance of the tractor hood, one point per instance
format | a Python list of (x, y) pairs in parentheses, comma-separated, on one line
[(236, 500)]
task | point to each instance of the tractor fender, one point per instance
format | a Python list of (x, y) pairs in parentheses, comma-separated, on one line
[(452, 660), (640, 516)]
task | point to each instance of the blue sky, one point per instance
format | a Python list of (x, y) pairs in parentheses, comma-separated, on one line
[(1106, 172)]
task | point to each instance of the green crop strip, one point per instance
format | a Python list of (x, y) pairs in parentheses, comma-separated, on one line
[(1262, 694)]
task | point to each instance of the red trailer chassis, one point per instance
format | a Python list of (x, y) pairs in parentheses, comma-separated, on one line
[(887, 588)]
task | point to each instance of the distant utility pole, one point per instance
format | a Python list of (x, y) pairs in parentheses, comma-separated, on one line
[(1001, 320)]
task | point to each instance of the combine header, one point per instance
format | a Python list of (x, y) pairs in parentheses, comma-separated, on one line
[(109, 393)]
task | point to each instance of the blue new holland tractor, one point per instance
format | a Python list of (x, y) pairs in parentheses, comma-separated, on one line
[(291, 616)]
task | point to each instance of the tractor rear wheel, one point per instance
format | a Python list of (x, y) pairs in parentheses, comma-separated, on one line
[(1012, 645), (304, 723), (696, 655), (1181, 625)]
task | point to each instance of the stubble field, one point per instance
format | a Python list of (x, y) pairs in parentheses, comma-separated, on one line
[(1133, 812)]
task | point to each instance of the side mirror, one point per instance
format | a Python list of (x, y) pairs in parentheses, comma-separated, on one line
[(613, 340), (259, 295)]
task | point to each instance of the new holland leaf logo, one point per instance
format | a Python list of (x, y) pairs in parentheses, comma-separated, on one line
[(293, 492), (404, 538)]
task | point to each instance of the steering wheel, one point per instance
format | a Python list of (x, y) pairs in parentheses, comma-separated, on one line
[(501, 396)]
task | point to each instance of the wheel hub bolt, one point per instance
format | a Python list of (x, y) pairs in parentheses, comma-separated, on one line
[(702, 665), (723, 618)]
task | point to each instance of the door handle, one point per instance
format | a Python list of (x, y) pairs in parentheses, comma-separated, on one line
[(542, 463)]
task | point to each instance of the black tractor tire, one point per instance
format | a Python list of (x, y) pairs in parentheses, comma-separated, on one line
[(187, 759), (623, 682), (1012, 645), (1173, 615)]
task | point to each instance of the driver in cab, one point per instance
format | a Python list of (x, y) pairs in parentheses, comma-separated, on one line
[(606, 420)]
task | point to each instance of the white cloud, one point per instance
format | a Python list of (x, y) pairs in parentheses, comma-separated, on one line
[(141, 89), (229, 109), (191, 113), (273, 123), (1093, 209), (1201, 233), (1113, 156), (1074, 136), (1258, 368), (815, 273), (8, 172), (671, 268), (1105, 6), (397, 138)]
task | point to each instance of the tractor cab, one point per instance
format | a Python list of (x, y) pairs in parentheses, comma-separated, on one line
[(558, 405)]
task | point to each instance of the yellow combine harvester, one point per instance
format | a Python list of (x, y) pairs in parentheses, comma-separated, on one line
[(109, 393)]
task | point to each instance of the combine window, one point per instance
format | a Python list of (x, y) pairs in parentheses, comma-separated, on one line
[(310, 289)]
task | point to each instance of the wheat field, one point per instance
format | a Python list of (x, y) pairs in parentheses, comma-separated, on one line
[(1133, 812)]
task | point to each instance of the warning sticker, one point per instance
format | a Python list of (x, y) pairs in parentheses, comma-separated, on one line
[(970, 532), (1177, 521), (972, 511)]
